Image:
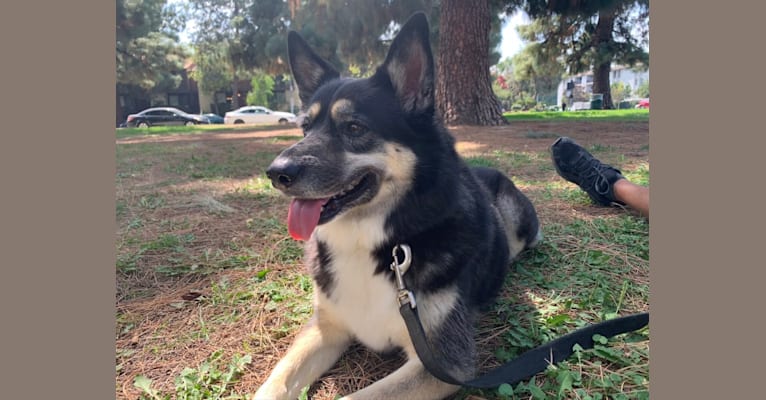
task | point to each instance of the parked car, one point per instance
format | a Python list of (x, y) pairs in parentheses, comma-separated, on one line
[(163, 116), (213, 118), (643, 104), (258, 115)]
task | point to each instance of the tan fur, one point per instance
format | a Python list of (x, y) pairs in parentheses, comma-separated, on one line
[(314, 110), (340, 109)]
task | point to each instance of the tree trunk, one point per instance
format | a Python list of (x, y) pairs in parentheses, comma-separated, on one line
[(464, 93), (236, 99), (604, 39)]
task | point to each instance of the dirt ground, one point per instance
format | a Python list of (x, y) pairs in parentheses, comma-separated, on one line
[(633, 137), (147, 303)]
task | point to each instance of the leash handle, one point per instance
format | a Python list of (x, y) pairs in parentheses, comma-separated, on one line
[(528, 364)]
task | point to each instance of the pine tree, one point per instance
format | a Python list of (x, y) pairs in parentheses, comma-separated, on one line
[(147, 50), (592, 34), (464, 87)]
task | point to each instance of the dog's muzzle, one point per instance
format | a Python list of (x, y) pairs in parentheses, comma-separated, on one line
[(283, 172)]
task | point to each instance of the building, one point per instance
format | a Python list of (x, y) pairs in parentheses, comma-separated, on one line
[(132, 99)]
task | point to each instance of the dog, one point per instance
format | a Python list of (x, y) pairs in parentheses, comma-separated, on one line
[(376, 168)]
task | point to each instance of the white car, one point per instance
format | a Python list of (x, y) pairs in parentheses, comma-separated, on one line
[(257, 115)]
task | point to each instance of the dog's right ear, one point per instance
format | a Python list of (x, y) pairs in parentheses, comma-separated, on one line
[(309, 70), (409, 65)]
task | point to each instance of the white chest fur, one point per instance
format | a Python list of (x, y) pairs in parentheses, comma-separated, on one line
[(364, 302)]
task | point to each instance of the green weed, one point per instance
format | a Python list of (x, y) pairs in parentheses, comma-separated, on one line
[(206, 382), (481, 161)]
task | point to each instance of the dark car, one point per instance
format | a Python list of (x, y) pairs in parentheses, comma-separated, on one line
[(163, 116), (213, 118)]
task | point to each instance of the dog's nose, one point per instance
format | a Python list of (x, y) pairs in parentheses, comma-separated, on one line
[(283, 173)]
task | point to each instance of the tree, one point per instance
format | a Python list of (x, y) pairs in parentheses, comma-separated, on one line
[(353, 36), (514, 94), (620, 91), (463, 86), (536, 65), (261, 90), (593, 34), (212, 70), (148, 55), (264, 36), (643, 90), (243, 35)]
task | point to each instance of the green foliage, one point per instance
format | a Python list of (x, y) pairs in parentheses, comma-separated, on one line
[(357, 33), (251, 32), (205, 382), (147, 51), (620, 91), (643, 90), (540, 65), (590, 35), (212, 70), (261, 90)]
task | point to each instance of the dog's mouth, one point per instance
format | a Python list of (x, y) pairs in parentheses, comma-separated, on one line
[(305, 214)]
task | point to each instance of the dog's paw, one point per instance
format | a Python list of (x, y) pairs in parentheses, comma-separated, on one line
[(270, 392)]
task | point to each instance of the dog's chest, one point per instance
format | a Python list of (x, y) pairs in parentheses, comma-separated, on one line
[(363, 301), (366, 303)]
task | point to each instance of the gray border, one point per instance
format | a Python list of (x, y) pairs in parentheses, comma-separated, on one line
[(57, 287)]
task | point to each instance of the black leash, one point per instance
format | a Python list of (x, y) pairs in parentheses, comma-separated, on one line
[(523, 367)]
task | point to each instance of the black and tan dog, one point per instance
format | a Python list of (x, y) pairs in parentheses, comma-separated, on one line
[(377, 169)]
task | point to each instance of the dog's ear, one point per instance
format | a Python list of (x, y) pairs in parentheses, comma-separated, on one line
[(410, 65), (309, 70)]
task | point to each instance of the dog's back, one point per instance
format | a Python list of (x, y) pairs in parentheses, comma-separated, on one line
[(518, 214)]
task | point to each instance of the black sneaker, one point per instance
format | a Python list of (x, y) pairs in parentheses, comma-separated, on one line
[(576, 165)]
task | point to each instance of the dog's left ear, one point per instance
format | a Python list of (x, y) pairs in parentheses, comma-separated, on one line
[(309, 70), (410, 65)]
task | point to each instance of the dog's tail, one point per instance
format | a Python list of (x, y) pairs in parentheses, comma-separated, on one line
[(519, 217)]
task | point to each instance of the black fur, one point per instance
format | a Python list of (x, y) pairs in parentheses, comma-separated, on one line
[(457, 220)]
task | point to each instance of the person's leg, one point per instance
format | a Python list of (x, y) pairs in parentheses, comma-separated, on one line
[(603, 183), (633, 195)]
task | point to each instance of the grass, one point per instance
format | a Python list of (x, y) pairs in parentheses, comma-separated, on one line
[(581, 274), (211, 289), (123, 133), (207, 381), (582, 115), (231, 164)]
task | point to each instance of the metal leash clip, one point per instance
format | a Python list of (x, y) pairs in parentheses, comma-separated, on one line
[(404, 296)]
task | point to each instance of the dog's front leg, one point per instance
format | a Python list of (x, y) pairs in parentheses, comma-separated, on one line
[(316, 348), (410, 381)]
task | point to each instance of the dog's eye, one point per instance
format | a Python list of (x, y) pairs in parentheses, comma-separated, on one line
[(355, 129)]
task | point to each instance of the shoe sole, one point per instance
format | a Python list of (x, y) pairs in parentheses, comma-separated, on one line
[(555, 165)]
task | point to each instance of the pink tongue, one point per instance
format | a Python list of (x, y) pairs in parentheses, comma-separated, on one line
[(303, 216)]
